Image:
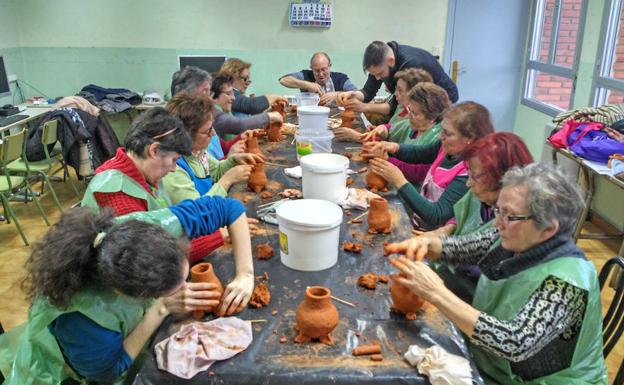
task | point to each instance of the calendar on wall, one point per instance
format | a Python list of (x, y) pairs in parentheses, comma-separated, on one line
[(310, 13)]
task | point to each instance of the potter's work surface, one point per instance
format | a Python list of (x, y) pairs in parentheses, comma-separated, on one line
[(267, 361)]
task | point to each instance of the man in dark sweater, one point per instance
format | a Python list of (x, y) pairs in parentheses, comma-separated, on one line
[(319, 79), (382, 61)]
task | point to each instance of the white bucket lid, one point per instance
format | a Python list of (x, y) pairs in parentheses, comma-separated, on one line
[(313, 110), (324, 163), (315, 214)]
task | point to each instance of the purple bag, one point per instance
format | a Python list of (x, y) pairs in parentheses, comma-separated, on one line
[(593, 144)]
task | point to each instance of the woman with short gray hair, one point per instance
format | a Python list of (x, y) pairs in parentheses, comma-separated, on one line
[(536, 313)]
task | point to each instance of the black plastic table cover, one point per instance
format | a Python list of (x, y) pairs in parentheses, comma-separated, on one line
[(266, 360)]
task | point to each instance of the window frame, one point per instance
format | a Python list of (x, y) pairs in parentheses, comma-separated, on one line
[(607, 44), (550, 68)]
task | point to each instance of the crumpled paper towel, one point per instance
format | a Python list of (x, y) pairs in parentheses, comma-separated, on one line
[(198, 345), (293, 172), (440, 366), (357, 198)]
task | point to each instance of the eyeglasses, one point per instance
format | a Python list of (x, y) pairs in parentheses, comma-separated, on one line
[(320, 70), (475, 177), (511, 218), (245, 79), (411, 112), (207, 133)]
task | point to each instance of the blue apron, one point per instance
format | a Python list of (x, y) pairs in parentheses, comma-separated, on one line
[(202, 185), (214, 148)]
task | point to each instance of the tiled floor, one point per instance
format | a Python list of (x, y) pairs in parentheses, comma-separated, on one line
[(13, 255)]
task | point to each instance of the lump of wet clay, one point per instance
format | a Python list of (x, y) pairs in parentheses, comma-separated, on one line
[(365, 350), (260, 297), (264, 251), (352, 247), (376, 357), (368, 281)]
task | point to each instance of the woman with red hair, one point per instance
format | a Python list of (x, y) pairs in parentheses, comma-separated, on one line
[(488, 159)]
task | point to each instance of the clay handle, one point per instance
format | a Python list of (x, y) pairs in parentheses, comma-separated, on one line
[(364, 350)]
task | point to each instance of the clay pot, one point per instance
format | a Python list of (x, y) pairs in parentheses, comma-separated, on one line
[(203, 272), (347, 118), (274, 132), (252, 145), (403, 300), (379, 220), (257, 179), (375, 182), (316, 316)]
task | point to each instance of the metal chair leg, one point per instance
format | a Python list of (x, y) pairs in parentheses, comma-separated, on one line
[(11, 213), (47, 180), (43, 214)]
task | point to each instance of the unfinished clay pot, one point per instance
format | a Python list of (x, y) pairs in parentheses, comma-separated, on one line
[(257, 179), (348, 116), (252, 145), (316, 316), (379, 220), (375, 182), (279, 107), (264, 251), (260, 297), (274, 132), (203, 272), (403, 300)]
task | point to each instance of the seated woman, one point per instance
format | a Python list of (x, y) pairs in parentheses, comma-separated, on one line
[(398, 127), (130, 182), (488, 159), (100, 288), (536, 314), (226, 127), (241, 79), (445, 181), (200, 173)]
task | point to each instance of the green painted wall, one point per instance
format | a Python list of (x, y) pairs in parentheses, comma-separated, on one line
[(9, 41), (66, 44), (530, 123)]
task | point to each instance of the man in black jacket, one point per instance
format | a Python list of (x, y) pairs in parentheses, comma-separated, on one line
[(382, 61)]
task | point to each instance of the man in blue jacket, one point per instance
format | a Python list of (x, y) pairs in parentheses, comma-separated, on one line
[(319, 79)]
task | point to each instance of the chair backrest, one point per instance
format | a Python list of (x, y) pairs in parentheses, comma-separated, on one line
[(13, 146), (613, 324), (49, 132)]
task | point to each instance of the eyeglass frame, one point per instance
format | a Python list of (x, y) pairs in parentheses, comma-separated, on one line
[(511, 218)]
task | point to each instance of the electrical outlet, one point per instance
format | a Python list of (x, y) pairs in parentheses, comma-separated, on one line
[(12, 78)]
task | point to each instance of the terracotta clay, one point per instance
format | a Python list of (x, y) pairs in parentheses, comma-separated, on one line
[(257, 179), (364, 350), (274, 132), (203, 272), (352, 247), (348, 154), (260, 297), (348, 116), (376, 357), (266, 195), (264, 251), (368, 281), (374, 182), (349, 181), (279, 107), (379, 220), (382, 278), (403, 300), (252, 145), (316, 316)]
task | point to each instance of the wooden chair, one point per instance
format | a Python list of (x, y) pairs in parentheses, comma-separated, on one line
[(613, 323)]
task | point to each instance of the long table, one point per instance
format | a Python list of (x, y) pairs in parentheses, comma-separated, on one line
[(267, 360)]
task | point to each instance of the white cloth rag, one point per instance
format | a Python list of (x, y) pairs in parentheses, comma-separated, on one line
[(198, 345), (293, 172), (357, 198), (440, 366)]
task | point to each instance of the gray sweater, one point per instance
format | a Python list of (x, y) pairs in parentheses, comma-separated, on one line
[(225, 123)]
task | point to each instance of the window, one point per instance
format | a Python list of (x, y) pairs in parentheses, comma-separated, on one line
[(609, 75), (556, 27)]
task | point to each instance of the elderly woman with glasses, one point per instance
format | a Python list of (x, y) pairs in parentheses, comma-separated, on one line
[(246, 105), (536, 313), (444, 181)]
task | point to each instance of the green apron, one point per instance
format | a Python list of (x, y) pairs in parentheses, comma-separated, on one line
[(397, 116), (504, 298), (111, 181), (37, 356), (403, 132), (467, 212)]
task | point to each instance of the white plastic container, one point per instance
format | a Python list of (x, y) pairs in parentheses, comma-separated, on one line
[(313, 120), (309, 232), (325, 177), (307, 99), (314, 144)]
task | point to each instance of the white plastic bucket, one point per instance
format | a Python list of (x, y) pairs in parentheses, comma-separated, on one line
[(307, 145), (313, 119), (309, 232), (325, 177), (307, 99)]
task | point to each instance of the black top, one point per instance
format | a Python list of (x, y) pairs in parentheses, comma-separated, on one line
[(410, 57)]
